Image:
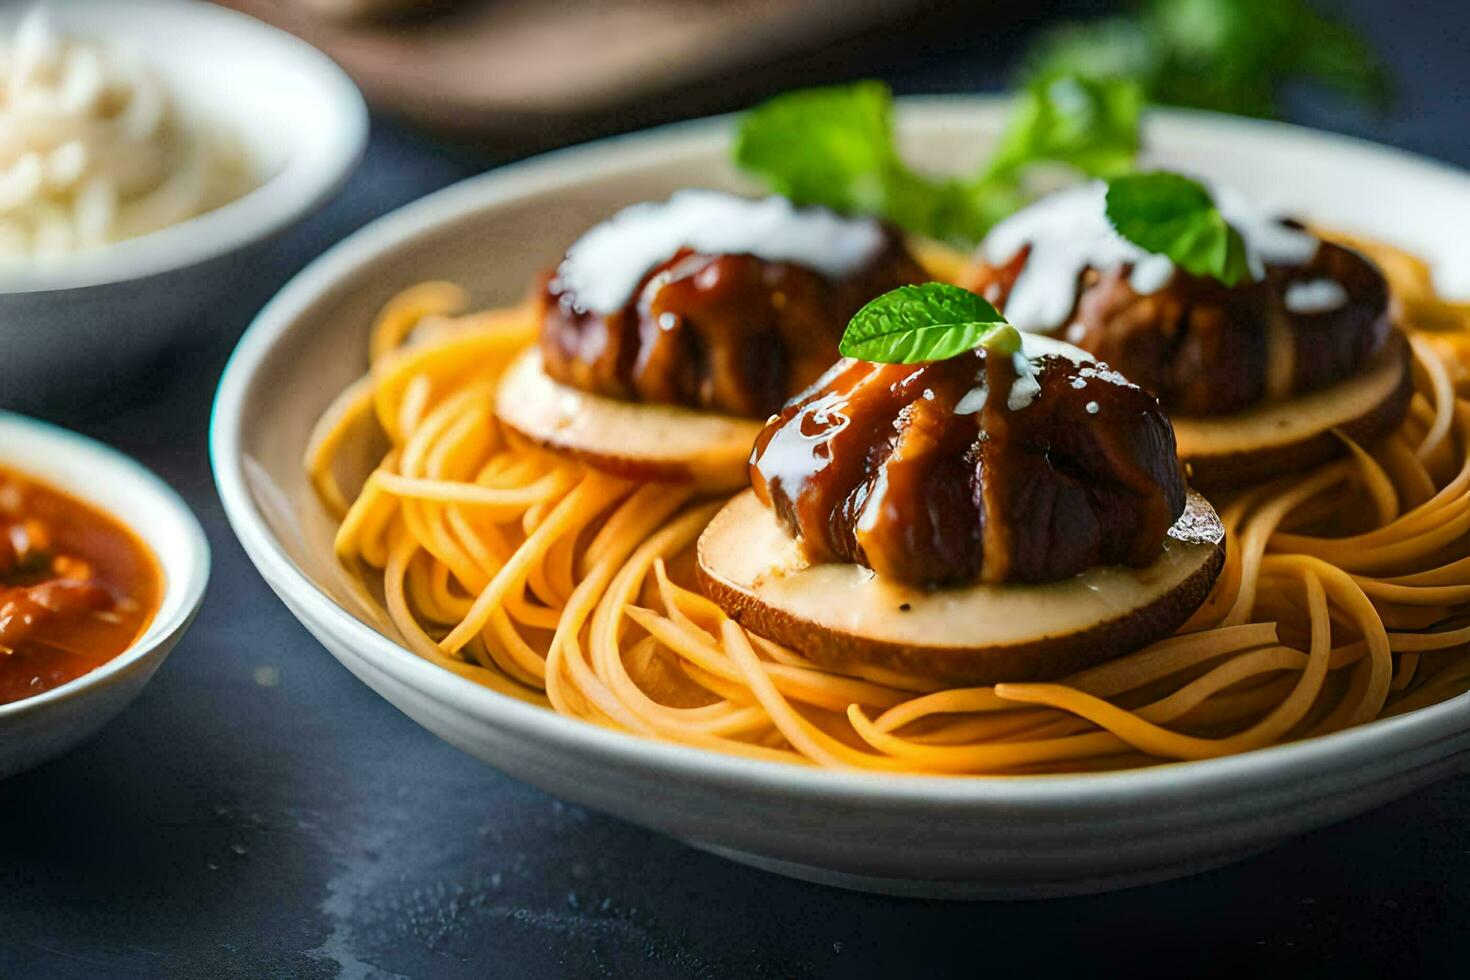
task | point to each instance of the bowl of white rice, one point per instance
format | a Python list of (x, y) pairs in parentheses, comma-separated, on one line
[(148, 148)]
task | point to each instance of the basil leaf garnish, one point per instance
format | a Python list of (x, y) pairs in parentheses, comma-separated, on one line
[(932, 322), (1171, 215)]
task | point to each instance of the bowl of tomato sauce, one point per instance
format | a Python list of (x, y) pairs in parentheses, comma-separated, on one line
[(102, 569)]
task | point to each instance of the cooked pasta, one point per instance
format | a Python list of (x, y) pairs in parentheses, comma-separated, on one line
[(95, 149), (1345, 596)]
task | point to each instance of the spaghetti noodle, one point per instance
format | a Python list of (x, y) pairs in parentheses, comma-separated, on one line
[(1345, 597)]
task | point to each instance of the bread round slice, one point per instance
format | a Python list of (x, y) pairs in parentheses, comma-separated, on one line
[(649, 443), (846, 618), (1261, 443)]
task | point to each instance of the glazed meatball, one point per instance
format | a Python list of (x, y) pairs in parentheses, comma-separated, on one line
[(1310, 314), (985, 467), (735, 331)]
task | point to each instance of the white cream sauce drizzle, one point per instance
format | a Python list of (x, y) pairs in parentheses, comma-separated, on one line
[(973, 400), (1027, 384), (605, 265), (1069, 231), (1315, 296), (1027, 361)]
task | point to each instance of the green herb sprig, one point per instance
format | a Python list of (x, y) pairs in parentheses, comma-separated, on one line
[(835, 147), (931, 322), (1171, 215), (1226, 55)]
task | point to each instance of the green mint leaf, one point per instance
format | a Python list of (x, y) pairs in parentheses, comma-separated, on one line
[(932, 322), (835, 147), (826, 146), (1089, 124), (1171, 215)]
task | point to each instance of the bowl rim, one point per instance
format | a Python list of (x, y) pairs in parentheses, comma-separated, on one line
[(1172, 782), (302, 183), (182, 594)]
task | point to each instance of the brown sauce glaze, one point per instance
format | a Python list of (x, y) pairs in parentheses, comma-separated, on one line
[(1207, 349), (733, 334), (1065, 466)]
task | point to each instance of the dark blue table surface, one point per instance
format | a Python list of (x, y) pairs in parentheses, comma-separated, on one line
[(229, 826)]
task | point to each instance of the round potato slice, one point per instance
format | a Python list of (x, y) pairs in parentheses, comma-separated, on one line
[(846, 618), (1228, 451), (651, 443)]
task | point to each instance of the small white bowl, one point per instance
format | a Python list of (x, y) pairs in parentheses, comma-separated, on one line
[(916, 835), (95, 316), (39, 728)]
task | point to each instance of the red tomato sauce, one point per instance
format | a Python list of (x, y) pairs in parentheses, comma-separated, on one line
[(76, 587)]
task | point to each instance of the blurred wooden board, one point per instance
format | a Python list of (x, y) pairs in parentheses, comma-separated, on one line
[(537, 72)]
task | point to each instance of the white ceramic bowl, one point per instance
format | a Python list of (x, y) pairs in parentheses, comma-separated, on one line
[(101, 314), (914, 835), (44, 726)]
